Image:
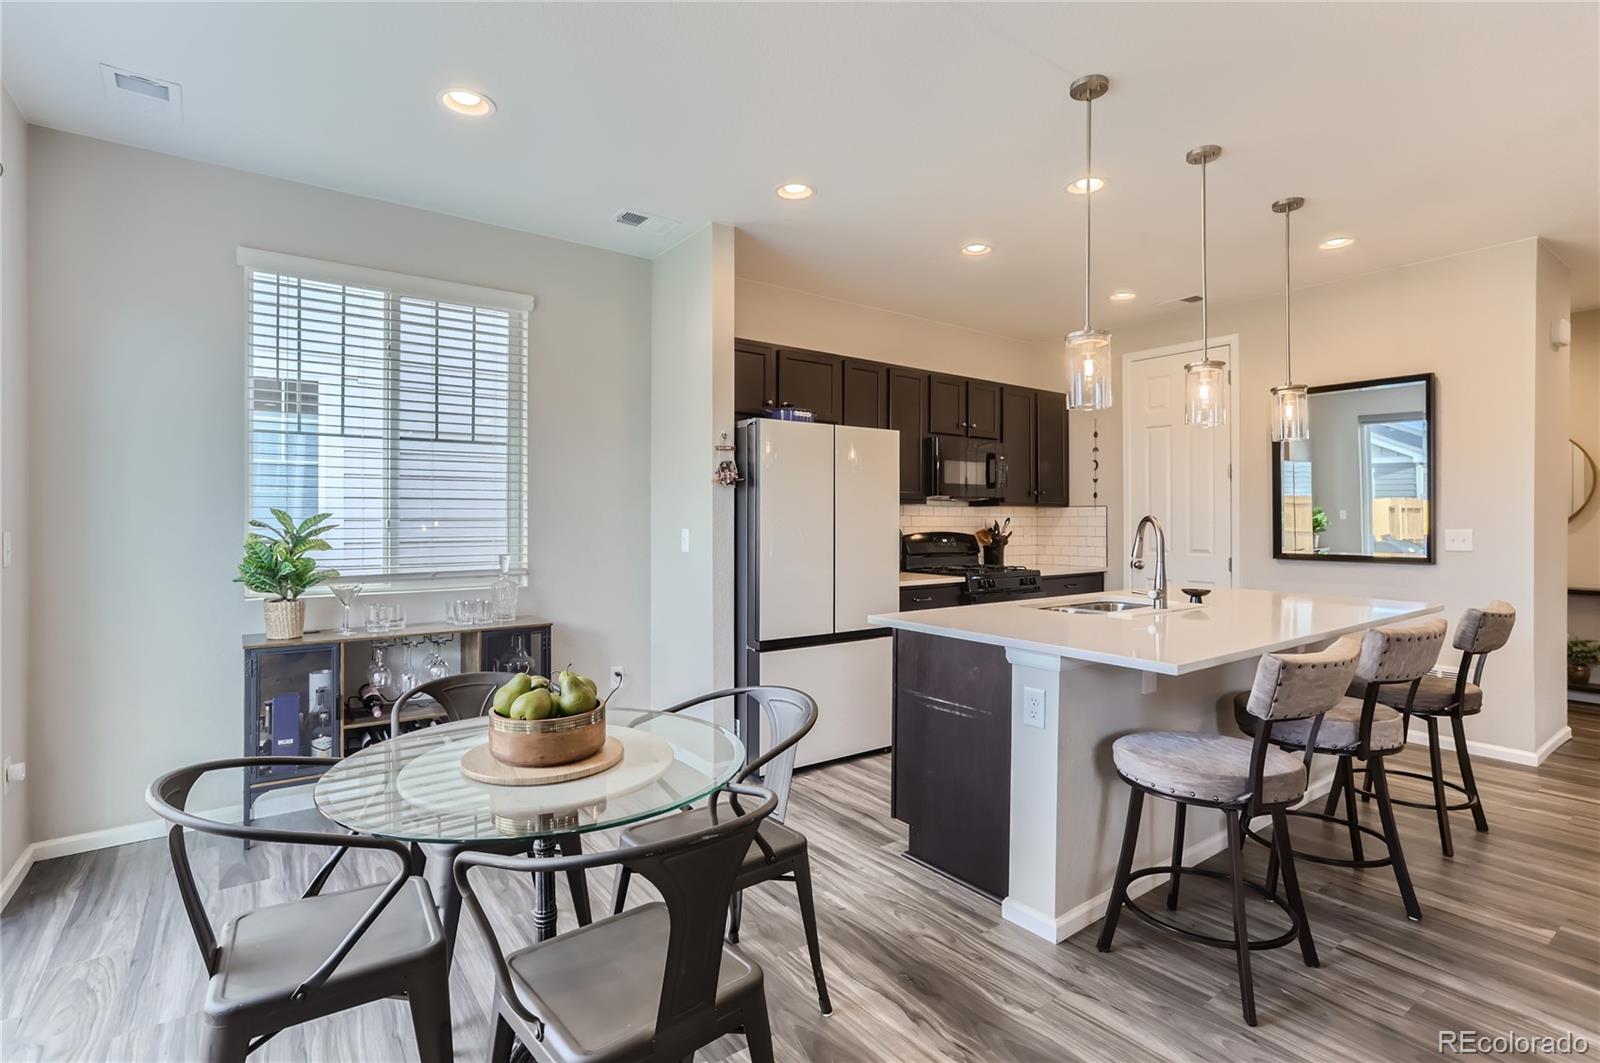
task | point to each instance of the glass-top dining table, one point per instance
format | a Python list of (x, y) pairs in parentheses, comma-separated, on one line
[(411, 788)]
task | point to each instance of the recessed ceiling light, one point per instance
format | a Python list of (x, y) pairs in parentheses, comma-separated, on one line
[(1122, 295), (976, 249), (465, 101), (1085, 185), (1334, 243), (795, 190)]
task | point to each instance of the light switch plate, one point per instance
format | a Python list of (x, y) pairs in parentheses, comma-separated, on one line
[(1033, 706), (1458, 539), (5, 549), (683, 540)]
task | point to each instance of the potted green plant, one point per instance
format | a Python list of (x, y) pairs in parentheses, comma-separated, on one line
[(1319, 524), (277, 563), (1581, 655)]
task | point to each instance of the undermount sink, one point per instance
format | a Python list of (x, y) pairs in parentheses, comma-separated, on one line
[(1099, 605)]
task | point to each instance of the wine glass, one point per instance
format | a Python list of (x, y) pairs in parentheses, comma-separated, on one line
[(346, 594), (378, 674)]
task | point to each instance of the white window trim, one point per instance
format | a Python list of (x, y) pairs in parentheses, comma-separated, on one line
[(315, 269), (400, 283)]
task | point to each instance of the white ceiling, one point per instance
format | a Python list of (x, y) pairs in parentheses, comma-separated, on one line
[(1423, 129)]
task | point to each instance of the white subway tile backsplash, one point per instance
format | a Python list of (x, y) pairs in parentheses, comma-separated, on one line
[(1042, 536)]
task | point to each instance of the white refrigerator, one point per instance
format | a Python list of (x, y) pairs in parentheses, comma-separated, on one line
[(818, 530)]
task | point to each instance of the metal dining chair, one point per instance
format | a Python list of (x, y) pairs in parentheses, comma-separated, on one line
[(465, 697), (653, 983), (286, 964), (783, 856)]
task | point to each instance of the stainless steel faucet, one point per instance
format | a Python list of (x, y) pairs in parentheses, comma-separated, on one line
[(1158, 593)]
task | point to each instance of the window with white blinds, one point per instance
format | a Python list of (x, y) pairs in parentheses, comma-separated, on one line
[(396, 404)]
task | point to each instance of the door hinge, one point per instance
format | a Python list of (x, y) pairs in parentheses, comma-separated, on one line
[(1230, 564), (1230, 470)]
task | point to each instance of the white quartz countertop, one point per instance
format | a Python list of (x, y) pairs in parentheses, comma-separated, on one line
[(1232, 625)]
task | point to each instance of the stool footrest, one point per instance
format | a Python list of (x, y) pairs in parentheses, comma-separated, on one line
[(1281, 940), (1471, 802), (1330, 861)]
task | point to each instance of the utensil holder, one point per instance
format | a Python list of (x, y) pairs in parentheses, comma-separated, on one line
[(994, 554)]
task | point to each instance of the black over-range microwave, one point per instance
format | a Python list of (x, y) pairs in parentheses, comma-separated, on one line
[(971, 469)]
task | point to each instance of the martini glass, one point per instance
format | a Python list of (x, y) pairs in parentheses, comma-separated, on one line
[(345, 593)]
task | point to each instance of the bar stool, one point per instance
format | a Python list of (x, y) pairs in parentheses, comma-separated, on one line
[(1480, 632), (1396, 657), (1240, 778)]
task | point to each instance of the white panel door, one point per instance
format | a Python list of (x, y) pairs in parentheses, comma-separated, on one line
[(1179, 474), (852, 683), (794, 527), (866, 525)]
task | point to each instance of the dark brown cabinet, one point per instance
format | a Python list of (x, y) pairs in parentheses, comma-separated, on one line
[(929, 596), (755, 378), (983, 409), (1083, 583), (1050, 461), (947, 405), (908, 415), (1017, 432), (866, 394), (811, 380)]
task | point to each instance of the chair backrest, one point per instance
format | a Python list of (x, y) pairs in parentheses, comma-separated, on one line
[(1400, 653), (1485, 630), (168, 797), (694, 873), (1292, 686), (461, 696), (787, 715)]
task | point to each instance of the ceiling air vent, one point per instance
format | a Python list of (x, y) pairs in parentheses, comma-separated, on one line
[(645, 223), (143, 95)]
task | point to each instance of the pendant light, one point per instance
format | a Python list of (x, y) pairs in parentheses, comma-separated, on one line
[(1290, 418), (1088, 349), (1205, 380)]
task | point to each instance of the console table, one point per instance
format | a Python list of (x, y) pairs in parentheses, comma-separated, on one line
[(298, 692)]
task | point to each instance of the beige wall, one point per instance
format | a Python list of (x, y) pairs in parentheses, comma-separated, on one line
[(1472, 319), (1583, 418), (14, 830), (691, 390), (138, 448)]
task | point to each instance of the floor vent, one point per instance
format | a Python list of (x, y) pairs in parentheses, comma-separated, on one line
[(645, 223)]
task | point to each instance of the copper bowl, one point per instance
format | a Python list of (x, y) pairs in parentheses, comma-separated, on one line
[(548, 742)]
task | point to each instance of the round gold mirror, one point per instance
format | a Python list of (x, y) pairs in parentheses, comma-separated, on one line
[(1583, 479)]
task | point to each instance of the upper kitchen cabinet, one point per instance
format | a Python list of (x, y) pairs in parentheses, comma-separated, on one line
[(1050, 462), (755, 378), (811, 381), (866, 394), (961, 407), (947, 405), (983, 409), (1017, 433), (908, 415)]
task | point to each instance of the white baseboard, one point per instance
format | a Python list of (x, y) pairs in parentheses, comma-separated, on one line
[(1490, 751), (144, 830), (1091, 911)]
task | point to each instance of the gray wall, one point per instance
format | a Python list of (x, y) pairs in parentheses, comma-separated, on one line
[(14, 832), (138, 448)]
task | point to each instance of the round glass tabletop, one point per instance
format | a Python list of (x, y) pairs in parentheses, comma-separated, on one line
[(412, 787)]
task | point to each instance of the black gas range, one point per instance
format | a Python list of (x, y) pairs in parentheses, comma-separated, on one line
[(958, 554)]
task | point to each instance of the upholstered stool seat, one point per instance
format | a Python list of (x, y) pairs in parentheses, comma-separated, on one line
[(1436, 695), (1213, 768), (1240, 779), (1340, 731)]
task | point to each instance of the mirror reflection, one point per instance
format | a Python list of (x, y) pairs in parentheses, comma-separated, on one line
[(1361, 487)]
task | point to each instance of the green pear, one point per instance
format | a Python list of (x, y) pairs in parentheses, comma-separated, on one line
[(539, 683), (534, 705), (576, 698), (517, 686)]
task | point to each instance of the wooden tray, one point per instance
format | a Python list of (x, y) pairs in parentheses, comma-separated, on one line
[(479, 764)]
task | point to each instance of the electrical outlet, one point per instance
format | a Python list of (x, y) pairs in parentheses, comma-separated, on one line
[(1033, 706), (683, 540), (617, 677), (5, 549), (1458, 539)]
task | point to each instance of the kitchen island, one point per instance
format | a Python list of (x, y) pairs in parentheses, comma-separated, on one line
[(1005, 714)]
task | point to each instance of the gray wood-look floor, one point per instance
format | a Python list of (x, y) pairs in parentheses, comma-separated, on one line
[(99, 962)]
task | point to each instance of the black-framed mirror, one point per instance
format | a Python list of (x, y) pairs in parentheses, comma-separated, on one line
[(1361, 488)]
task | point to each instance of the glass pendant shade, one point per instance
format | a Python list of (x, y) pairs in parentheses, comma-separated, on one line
[(1204, 405), (1288, 413), (1088, 369)]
